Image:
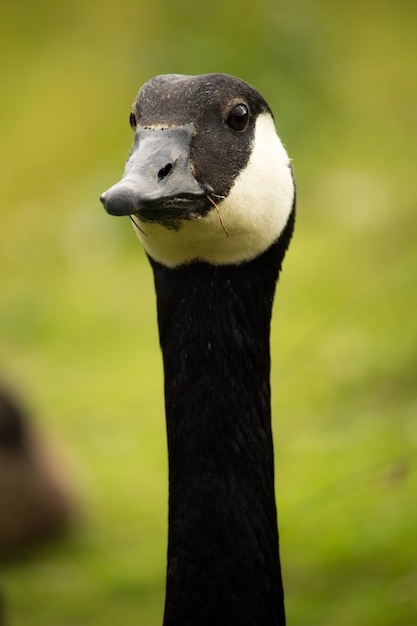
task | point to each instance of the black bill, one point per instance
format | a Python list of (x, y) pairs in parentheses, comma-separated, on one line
[(158, 184)]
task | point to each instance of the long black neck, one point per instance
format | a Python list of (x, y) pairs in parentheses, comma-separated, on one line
[(223, 559)]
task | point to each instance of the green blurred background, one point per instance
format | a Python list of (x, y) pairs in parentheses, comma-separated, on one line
[(77, 313)]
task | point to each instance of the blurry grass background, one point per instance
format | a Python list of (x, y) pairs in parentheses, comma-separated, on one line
[(77, 313)]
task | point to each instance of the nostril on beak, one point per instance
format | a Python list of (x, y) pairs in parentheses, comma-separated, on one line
[(164, 171)]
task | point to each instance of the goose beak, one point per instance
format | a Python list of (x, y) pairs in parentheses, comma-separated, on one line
[(158, 183)]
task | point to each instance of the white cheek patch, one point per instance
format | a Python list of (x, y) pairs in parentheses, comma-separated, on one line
[(253, 214)]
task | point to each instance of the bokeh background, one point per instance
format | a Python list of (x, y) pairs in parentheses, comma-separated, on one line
[(78, 334)]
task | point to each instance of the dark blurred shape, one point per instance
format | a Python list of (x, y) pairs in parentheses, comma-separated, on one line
[(36, 504)]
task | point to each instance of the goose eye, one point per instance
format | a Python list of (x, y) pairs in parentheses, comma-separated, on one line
[(238, 117), (132, 120)]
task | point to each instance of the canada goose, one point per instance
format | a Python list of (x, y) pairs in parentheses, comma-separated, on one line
[(210, 189), (36, 500)]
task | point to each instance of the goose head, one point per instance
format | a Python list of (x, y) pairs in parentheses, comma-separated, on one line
[(207, 178)]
